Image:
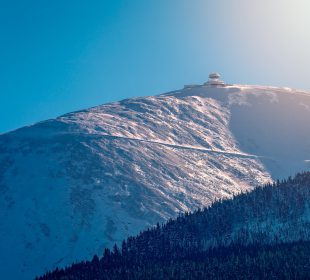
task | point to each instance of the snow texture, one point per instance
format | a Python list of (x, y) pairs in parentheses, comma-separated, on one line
[(76, 184)]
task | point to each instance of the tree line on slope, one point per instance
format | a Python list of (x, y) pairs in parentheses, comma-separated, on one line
[(240, 236), (278, 261)]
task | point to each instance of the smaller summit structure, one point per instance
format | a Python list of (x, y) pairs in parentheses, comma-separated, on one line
[(214, 80)]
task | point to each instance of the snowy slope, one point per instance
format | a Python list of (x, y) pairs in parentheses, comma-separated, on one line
[(108, 172)]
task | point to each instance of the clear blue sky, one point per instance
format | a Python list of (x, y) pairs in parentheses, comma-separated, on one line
[(60, 56)]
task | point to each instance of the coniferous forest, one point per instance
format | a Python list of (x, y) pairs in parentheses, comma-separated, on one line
[(263, 234)]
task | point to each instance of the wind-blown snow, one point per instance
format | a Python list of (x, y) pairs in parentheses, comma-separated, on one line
[(73, 185)]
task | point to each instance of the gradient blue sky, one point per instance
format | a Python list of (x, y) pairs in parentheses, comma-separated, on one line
[(60, 56)]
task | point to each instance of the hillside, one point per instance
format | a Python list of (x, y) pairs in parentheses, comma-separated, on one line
[(264, 234), (74, 185)]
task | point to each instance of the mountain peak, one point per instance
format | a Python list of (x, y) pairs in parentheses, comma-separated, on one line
[(112, 170)]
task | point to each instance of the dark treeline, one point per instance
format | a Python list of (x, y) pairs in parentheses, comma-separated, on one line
[(282, 261), (263, 234)]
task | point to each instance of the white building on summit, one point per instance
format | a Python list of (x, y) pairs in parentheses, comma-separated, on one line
[(214, 80)]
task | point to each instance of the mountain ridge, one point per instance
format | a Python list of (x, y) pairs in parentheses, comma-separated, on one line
[(67, 167)]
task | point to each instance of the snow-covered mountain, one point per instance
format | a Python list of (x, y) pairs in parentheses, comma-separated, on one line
[(104, 173)]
